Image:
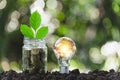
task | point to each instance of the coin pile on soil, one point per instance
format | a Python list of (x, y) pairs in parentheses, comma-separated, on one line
[(73, 75)]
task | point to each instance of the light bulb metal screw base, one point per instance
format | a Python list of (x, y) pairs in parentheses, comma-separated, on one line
[(64, 69), (63, 65)]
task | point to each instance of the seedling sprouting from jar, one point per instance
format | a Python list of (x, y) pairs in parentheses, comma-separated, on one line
[(64, 49), (34, 55)]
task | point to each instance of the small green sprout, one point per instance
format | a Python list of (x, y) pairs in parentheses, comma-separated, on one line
[(35, 31)]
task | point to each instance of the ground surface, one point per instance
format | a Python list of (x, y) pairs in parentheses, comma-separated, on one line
[(73, 75)]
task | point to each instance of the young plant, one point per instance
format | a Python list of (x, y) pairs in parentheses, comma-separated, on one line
[(34, 56), (34, 31)]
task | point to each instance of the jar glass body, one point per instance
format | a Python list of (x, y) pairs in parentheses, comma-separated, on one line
[(34, 55)]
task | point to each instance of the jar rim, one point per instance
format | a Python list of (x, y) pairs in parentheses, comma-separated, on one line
[(33, 41), (27, 38)]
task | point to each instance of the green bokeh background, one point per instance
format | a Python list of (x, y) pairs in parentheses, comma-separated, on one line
[(90, 23)]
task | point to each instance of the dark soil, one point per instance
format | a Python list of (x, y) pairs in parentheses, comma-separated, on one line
[(73, 75)]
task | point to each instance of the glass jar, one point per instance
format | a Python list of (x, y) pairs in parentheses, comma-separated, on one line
[(34, 55)]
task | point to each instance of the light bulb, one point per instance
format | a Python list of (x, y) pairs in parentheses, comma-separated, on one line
[(64, 49)]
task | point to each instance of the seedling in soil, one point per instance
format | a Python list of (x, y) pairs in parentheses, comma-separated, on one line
[(34, 56)]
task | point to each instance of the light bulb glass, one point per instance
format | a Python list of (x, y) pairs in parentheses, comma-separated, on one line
[(64, 49)]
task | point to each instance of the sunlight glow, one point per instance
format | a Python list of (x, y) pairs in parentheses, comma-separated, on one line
[(5, 65), (93, 14), (59, 5), (3, 4), (118, 49), (14, 23), (95, 56), (111, 63), (90, 33), (37, 5), (12, 26), (109, 49), (112, 52), (52, 4)]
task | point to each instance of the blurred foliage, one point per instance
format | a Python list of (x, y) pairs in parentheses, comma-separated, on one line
[(90, 23)]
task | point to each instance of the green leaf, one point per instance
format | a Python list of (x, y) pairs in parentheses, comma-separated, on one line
[(42, 32), (26, 31), (35, 20)]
